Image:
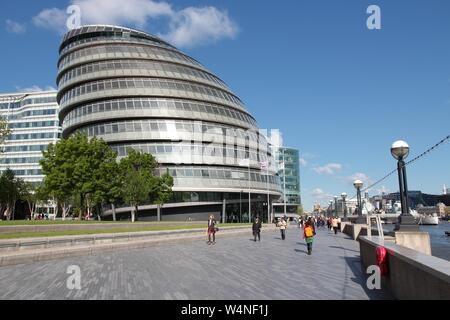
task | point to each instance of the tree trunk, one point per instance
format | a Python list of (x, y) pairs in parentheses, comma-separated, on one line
[(136, 217), (133, 214), (113, 211)]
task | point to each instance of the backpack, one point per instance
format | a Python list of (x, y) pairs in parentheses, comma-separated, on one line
[(308, 232)]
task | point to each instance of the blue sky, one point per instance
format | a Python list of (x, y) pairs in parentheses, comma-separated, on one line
[(338, 91)]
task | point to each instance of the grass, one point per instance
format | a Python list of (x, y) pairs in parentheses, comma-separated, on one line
[(47, 222), (19, 235)]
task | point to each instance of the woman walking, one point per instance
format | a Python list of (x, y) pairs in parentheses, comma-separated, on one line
[(282, 225), (335, 225), (257, 229), (308, 235), (212, 230)]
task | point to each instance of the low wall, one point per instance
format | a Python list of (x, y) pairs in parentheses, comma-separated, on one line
[(412, 274)]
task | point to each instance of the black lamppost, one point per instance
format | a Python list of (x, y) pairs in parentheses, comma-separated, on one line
[(358, 185), (335, 206), (344, 205), (400, 151)]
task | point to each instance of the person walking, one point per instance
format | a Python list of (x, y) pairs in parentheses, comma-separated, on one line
[(212, 230), (257, 229), (334, 224), (282, 225), (308, 235)]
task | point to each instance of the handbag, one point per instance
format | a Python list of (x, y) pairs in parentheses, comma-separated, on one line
[(216, 229)]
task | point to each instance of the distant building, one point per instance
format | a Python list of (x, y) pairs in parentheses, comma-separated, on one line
[(287, 164), (33, 120)]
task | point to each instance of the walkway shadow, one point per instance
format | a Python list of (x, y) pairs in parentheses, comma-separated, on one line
[(302, 251), (360, 278), (335, 247)]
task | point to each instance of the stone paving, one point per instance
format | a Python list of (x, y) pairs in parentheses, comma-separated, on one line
[(234, 268)]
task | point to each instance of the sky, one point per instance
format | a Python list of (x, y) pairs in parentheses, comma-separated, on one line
[(338, 91)]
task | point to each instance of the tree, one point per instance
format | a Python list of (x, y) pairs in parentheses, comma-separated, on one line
[(75, 173), (138, 180), (4, 129), (11, 189)]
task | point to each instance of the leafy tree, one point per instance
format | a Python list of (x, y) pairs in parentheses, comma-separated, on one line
[(138, 180), (11, 189), (4, 129), (75, 172)]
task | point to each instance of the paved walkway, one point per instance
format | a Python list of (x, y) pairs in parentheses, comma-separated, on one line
[(235, 268)]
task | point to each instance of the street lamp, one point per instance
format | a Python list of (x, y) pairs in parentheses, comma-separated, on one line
[(344, 205), (335, 205), (358, 185), (400, 151), (330, 208)]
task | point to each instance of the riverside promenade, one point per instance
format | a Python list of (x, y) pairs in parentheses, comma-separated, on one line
[(234, 268)]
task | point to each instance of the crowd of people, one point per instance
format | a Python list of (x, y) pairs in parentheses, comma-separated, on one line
[(309, 224)]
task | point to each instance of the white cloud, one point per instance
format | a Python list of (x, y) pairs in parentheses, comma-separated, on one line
[(360, 176), (303, 162), (187, 27), (119, 12), (35, 88), (53, 19), (15, 27), (194, 26), (329, 169), (319, 194)]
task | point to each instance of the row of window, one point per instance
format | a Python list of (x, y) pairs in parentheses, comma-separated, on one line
[(32, 113), (171, 126), (35, 124), (29, 172), (218, 173), (167, 68), (29, 101), (125, 51), (144, 83), (25, 148), (113, 36), (34, 136), (19, 160), (185, 150), (161, 104)]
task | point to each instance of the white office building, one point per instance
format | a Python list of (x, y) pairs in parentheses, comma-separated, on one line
[(33, 120)]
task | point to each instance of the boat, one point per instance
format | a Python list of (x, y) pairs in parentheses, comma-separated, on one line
[(421, 219), (425, 219), (447, 233)]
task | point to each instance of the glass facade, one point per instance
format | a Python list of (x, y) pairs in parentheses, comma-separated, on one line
[(288, 166), (136, 91), (34, 123)]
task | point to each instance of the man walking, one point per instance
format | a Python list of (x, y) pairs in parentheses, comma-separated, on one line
[(282, 225), (257, 229)]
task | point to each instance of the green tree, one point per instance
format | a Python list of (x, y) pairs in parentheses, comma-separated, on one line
[(75, 172), (11, 189), (4, 129), (138, 179)]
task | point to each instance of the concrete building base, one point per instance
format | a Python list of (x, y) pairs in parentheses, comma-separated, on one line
[(416, 240)]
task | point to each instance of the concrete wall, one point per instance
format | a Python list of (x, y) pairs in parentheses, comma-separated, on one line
[(412, 275)]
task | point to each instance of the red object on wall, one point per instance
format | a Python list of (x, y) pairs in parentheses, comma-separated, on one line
[(382, 260)]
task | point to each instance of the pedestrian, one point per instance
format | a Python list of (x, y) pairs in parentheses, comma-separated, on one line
[(257, 229), (334, 223), (212, 229), (282, 225), (308, 235), (339, 223)]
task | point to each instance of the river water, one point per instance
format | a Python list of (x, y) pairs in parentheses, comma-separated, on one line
[(440, 243)]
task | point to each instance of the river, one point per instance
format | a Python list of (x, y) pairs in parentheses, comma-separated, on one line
[(440, 243)]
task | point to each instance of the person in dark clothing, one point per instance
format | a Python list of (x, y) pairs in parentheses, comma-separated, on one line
[(257, 229), (212, 229)]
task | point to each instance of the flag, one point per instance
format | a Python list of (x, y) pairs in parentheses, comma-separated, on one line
[(264, 165)]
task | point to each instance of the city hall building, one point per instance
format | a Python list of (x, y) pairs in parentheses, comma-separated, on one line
[(134, 90)]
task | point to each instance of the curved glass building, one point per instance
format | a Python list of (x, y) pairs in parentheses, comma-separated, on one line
[(134, 90)]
